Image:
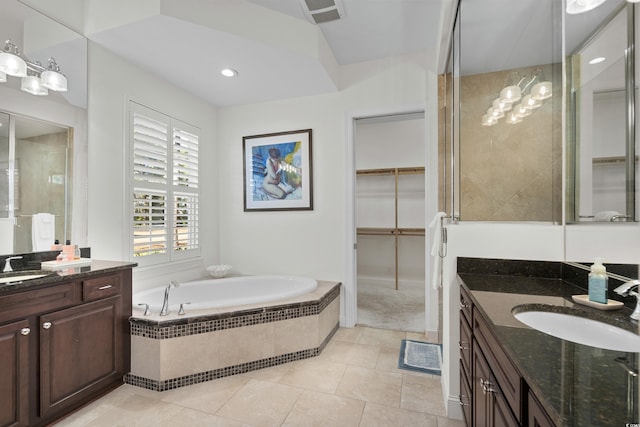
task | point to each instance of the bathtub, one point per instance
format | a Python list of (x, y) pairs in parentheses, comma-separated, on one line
[(227, 292), (251, 323)]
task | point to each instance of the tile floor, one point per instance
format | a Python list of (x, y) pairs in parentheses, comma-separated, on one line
[(354, 382)]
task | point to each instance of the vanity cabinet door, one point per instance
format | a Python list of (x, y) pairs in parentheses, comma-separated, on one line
[(537, 415), (80, 352), (14, 373), (490, 408)]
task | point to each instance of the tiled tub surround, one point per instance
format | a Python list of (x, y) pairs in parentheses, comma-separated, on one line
[(578, 385), (176, 351)]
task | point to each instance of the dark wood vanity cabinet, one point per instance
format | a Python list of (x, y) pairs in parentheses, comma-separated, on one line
[(492, 391), (70, 346)]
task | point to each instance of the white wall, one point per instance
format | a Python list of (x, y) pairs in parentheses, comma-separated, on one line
[(112, 83), (311, 243), (485, 240)]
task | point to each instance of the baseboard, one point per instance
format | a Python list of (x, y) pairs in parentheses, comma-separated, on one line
[(454, 410)]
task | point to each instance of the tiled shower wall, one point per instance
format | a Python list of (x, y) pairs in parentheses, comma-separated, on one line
[(507, 172)]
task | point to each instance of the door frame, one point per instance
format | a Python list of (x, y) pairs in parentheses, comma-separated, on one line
[(349, 291)]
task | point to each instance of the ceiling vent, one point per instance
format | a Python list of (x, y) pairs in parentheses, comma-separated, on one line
[(321, 11)]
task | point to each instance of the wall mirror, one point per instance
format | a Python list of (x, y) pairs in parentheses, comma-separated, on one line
[(42, 137), (508, 150), (602, 173)]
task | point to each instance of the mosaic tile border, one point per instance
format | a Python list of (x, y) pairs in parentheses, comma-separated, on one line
[(218, 322), (201, 377)]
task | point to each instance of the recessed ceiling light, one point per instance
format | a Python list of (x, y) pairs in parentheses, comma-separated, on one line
[(228, 72), (597, 60)]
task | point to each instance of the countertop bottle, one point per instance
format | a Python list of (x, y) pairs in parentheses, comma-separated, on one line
[(598, 282)]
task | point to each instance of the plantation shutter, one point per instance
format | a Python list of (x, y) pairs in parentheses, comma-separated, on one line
[(185, 182), (164, 186)]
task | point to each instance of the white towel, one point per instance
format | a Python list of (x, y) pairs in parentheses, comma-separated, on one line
[(43, 230), (436, 229), (6, 235)]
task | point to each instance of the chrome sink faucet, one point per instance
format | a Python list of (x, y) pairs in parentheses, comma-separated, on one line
[(165, 304), (7, 263), (627, 289)]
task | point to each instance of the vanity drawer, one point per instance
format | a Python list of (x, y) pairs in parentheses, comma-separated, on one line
[(465, 344), (101, 287), (507, 376), (23, 304)]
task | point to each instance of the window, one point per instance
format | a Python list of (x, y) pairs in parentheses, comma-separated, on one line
[(163, 187)]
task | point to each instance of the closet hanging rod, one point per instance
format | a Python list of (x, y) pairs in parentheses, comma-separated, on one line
[(392, 171)]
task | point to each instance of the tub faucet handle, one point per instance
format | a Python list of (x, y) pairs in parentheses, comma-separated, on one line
[(146, 309), (181, 310)]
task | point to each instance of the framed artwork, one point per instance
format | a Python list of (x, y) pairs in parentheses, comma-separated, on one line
[(277, 171)]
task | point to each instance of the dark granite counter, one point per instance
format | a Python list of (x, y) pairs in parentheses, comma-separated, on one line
[(97, 267), (578, 385)]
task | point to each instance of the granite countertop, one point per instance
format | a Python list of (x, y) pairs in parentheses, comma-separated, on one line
[(97, 267), (578, 385)]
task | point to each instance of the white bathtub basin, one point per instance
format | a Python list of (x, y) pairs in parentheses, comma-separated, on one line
[(581, 330)]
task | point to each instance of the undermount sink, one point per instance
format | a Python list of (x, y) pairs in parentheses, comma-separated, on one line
[(581, 330), (21, 276)]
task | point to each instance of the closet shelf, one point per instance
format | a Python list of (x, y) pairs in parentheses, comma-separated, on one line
[(611, 160), (391, 171), (382, 231)]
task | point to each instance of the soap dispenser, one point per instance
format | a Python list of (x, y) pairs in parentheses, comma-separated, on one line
[(598, 282)]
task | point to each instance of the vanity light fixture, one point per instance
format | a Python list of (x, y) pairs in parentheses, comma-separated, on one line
[(513, 118), (52, 78), (228, 72), (581, 6), (36, 79), (530, 102), (521, 111), (10, 61), (541, 91), (501, 105), (32, 84), (488, 120)]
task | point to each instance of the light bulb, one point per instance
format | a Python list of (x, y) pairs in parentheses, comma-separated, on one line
[(541, 91), (511, 94), (12, 65), (31, 84), (530, 102)]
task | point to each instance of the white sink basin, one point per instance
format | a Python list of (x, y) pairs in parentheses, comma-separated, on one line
[(581, 330), (21, 277)]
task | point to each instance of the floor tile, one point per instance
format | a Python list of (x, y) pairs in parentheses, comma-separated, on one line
[(383, 416), (315, 374), (261, 403), (320, 409), (364, 355), (207, 396), (357, 383), (422, 394)]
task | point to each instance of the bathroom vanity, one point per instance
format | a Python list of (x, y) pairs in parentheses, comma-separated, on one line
[(513, 375), (64, 340)]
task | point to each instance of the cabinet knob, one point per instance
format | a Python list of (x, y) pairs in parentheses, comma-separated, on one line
[(463, 345), (464, 304), (487, 386), (46, 325), (25, 331), (461, 399)]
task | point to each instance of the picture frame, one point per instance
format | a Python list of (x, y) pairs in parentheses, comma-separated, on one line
[(277, 171)]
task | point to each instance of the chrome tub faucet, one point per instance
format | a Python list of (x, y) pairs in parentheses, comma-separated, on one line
[(165, 304), (627, 289)]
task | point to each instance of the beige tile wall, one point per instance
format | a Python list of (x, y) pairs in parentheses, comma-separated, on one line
[(165, 359), (507, 172)]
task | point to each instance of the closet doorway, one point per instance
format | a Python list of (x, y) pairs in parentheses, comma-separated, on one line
[(390, 221)]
